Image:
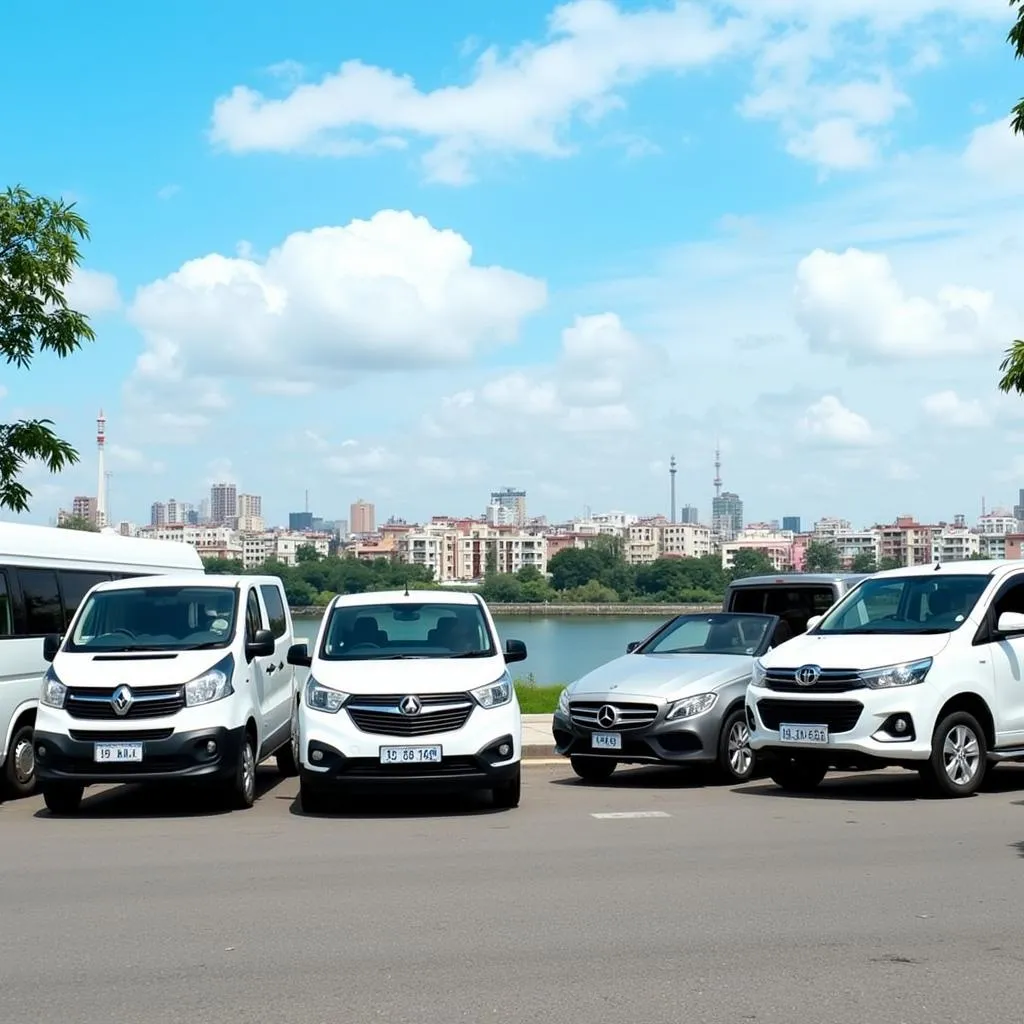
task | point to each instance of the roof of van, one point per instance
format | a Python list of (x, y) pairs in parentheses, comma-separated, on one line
[(49, 543), (401, 597), (805, 578), (977, 567), (209, 580)]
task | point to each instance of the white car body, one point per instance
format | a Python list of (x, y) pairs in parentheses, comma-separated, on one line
[(838, 697), (444, 739)]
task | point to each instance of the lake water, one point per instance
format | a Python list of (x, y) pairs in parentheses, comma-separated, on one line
[(560, 648)]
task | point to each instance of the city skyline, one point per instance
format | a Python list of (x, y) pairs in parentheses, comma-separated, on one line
[(551, 246)]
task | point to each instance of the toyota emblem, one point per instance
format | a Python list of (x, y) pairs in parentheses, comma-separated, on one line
[(808, 675), (607, 716), (410, 706), (122, 700)]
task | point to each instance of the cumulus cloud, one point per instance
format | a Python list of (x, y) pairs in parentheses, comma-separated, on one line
[(829, 423), (949, 409), (995, 152), (92, 292), (851, 304)]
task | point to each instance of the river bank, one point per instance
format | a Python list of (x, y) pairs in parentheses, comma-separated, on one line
[(545, 610)]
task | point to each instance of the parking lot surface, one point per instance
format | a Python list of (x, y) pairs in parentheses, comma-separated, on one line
[(650, 899)]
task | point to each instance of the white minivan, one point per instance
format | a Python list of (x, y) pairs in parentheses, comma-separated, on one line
[(44, 574), (176, 678), (918, 668), (407, 690)]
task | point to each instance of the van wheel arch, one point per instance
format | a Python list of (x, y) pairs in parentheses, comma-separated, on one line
[(13, 781), (975, 705)]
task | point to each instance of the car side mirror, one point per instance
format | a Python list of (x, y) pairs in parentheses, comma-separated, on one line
[(298, 655), (51, 645), (632, 646), (1011, 624), (261, 646), (515, 650), (812, 622)]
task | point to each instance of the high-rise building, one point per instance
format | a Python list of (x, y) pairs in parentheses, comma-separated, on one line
[(223, 503), (250, 505), (512, 506), (100, 515), (83, 507), (158, 514), (791, 523), (689, 514), (727, 515), (362, 516)]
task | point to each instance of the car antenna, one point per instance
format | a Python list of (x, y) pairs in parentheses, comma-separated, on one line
[(938, 566), (406, 587)]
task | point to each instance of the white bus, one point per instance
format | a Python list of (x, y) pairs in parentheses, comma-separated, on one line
[(44, 574)]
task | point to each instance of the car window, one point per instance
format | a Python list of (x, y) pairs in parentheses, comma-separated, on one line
[(720, 633), (74, 586), (6, 614), (253, 617), (275, 610), (40, 593)]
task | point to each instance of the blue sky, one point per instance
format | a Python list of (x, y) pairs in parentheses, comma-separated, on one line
[(415, 252)]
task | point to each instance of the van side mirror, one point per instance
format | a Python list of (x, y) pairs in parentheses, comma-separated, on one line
[(1010, 624), (515, 650), (51, 645), (632, 646), (812, 622), (261, 646), (298, 655)]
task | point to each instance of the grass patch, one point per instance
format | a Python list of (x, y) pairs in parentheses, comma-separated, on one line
[(535, 699)]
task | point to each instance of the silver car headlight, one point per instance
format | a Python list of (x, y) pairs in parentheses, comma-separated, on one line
[(563, 702), (54, 691), (908, 674), (758, 676), (689, 707), (495, 694), (324, 698), (214, 684)]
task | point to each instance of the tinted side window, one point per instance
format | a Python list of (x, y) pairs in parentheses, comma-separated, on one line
[(74, 586), (6, 612), (275, 610), (746, 599), (253, 617), (41, 596)]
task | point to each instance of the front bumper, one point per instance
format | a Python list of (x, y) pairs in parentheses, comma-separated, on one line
[(167, 756), (686, 741)]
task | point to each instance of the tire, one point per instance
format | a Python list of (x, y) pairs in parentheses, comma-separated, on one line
[(62, 798), (798, 774), (241, 787), (285, 758), (958, 760), (593, 769), (19, 778), (736, 762), (312, 800), (506, 796)]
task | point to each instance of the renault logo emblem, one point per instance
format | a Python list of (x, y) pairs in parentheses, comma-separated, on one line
[(122, 700), (410, 706), (808, 675), (607, 716)]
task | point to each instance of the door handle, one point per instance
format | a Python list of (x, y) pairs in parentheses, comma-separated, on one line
[(280, 664), (271, 668)]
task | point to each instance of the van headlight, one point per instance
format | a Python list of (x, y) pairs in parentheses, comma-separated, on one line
[(757, 677), (563, 702), (212, 685), (493, 695), (908, 674), (54, 691), (689, 707), (324, 698)]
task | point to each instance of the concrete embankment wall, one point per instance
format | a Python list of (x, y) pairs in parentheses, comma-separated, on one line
[(661, 610)]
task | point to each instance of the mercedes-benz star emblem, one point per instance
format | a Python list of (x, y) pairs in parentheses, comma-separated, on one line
[(410, 706), (122, 700), (607, 716), (808, 675)]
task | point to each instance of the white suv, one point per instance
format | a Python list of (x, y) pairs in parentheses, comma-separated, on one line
[(407, 690), (918, 668)]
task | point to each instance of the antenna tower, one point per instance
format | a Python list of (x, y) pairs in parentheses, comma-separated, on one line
[(718, 471), (101, 483), (672, 479)]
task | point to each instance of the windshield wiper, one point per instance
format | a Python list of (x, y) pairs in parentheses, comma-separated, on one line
[(207, 646), (472, 654)]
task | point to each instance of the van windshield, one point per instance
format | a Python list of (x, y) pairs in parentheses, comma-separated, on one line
[(182, 618), (906, 604), (388, 631)]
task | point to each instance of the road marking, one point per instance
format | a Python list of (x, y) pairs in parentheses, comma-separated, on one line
[(633, 814)]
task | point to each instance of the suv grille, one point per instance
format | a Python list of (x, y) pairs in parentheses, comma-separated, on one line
[(440, 712), (154, 702), (838, 715), (831, 680), (627, 716)]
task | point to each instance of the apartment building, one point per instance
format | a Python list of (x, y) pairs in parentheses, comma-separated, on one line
[(957, 544), (641, 543), (435, 549), (776, 545), (284, 547), (362, 516), (223, 503), (853, 544), (908, 542), (997, 523), (685, 540), (83, 507)]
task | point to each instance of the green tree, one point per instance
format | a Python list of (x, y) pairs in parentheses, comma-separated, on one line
[(79, 523), (574, 567), (491, 560), (501, 588), (885, 564), (306, 553), (38, 256), (864, 562), (1016, 39), (751, 562), (821, 556)]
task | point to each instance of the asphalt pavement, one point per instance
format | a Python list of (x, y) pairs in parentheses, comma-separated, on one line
[(650, 900)]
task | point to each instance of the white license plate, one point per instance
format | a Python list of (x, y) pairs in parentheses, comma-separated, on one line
[(803, 733), (606, 741), (410, 755), (117, 752)]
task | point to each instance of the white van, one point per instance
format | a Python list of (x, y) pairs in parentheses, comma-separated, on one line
[(176, 678), (408, 691), (44, 574), (917, 668)]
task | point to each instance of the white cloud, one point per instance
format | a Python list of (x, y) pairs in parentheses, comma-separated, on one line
[(92, 292), (829, 423), (948, 408), (363, 463), (132, 460), (996, 153), (851, 304)]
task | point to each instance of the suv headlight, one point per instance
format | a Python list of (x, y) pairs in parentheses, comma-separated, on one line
[(689, 707), (563, 702), (54, 691), (212, 685), (908, 674), (324, 698), (758, 676), (495, 694)]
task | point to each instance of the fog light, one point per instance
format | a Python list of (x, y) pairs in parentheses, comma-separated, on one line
[(901, 725), (211, 747), (41, 750), (317, 755), (504, 750)]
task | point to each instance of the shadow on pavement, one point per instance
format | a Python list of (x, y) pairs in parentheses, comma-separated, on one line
[(165, 800), (401, 806), (652, 777)]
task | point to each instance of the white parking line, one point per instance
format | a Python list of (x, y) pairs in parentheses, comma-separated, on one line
[(633, 814)]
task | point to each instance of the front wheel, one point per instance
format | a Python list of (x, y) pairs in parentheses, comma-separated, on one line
[(593, 769), (19, 777), (241, 787), (62, 798), (735, 762), (506, 796), (797, 774), (958, 760)]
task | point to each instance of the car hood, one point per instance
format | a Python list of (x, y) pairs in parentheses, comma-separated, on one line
[(663, 675), (857, 651), (419, 675), (86, 670)]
